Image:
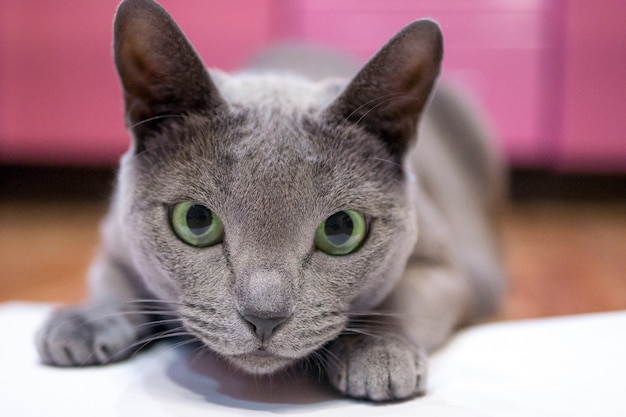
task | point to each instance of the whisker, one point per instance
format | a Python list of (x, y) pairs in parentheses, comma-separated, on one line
[(376, 313), (138, 313), (141, 344), (186, 342), (371, 109), (325, 359), (158, 323), (350, 330), (93, 317), (395, 164), (387, 161), (199, 352), (372, 320), (414, 319), (174, 332), (153, 301), (152, 119), (153, 304), (378, 100), (173, 346)]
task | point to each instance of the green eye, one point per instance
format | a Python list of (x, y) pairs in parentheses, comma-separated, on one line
[(342, 233), (196, 225)]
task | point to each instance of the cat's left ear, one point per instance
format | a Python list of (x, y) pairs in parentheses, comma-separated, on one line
[(388, 95), (161, 74)]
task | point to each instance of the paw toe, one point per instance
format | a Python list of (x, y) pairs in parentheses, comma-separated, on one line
[(378, 370), (68, 338)]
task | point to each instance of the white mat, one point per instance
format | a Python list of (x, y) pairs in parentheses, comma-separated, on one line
[(572, 366)]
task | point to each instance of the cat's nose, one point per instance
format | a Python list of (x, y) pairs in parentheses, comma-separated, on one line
[(264, 327)]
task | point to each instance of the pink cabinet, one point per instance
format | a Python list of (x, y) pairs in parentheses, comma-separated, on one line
[(548, 72), (60, 99), (593, 90), (499, 50)]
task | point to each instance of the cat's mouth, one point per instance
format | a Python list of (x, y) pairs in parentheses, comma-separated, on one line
[(260, 361), (262, 352)]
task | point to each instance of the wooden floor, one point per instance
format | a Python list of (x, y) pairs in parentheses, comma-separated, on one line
[(563, 258)]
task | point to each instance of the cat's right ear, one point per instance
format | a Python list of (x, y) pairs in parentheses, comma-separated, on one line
[(161, 74)]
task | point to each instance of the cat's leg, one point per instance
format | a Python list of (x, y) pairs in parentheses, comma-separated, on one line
[(102, 330), (389, 362)]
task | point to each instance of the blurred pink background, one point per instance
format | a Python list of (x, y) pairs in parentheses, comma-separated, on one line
[(551, 74)]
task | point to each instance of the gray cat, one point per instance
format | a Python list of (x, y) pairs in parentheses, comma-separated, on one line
[(280, 220)]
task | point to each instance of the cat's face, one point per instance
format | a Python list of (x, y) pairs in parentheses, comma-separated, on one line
[(272, 180), (257, 202)]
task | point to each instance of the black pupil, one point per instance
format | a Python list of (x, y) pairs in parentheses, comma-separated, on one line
[(339, 228), (199, 219)]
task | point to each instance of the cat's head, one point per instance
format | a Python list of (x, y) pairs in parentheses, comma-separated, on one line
[(271, 207)]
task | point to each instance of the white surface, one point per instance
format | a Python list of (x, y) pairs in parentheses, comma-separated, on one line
[(573, 366)]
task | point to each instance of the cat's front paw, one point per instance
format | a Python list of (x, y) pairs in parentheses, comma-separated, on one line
[(80, 337), (377, 369)]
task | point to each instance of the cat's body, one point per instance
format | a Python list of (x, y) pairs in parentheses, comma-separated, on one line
[(276, 157)]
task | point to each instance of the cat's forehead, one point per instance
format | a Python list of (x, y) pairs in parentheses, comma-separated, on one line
[(276, 92), (274, 111), (275, 136)]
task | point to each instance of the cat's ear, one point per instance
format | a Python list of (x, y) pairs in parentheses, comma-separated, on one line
[(388, 95), (161, 74)]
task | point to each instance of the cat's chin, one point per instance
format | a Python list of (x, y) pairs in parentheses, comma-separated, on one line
[(260, 362)]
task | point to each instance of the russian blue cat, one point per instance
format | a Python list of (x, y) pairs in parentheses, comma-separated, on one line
[(279, 219)]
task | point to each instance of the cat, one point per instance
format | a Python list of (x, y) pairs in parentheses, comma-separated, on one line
[(280, 220)]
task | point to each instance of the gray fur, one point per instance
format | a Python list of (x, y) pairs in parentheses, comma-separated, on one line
[(274, 155)]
